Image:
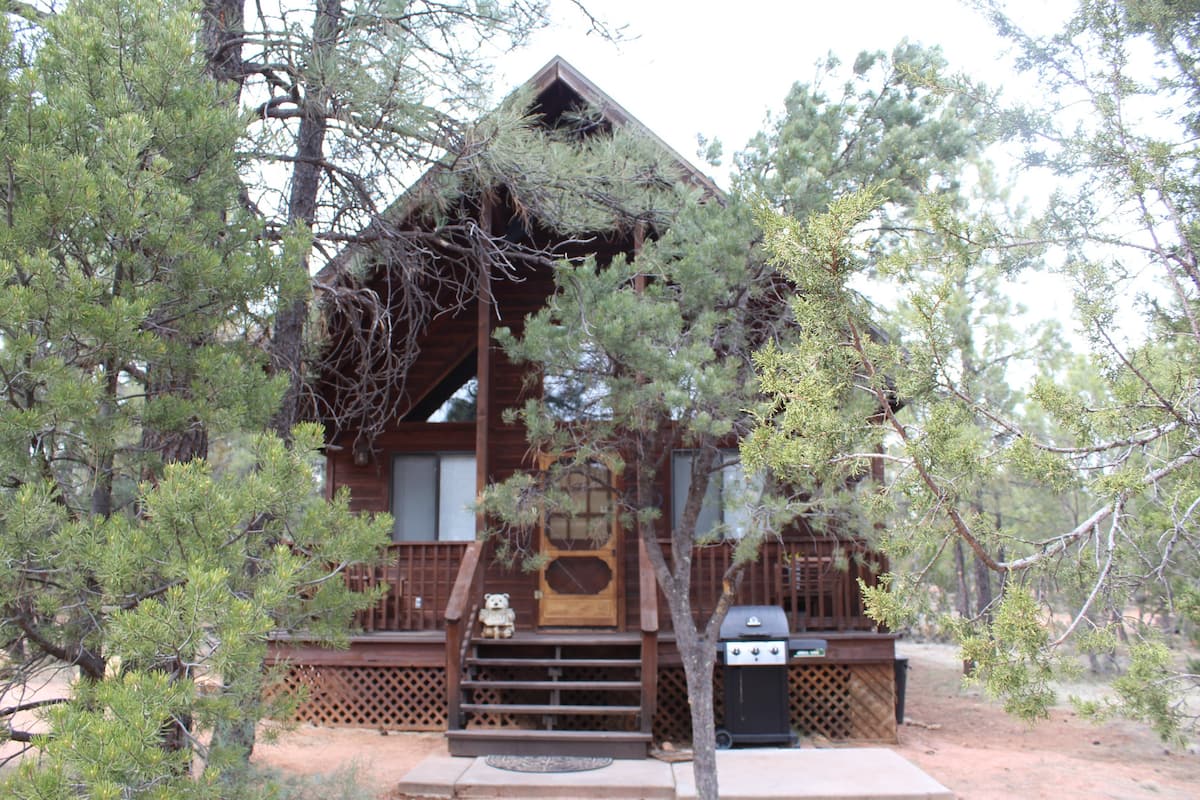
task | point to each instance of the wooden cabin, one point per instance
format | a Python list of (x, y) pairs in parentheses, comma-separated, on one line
[(592, 667)]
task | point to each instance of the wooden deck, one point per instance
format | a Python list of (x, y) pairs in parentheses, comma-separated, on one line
[(418, 663)]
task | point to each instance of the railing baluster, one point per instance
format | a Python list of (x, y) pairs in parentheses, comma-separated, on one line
[(410, 570), (413, 590), (397, 590)]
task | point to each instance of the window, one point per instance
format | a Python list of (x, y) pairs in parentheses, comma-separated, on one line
[(590, 526), (433, 495), (727, 502)]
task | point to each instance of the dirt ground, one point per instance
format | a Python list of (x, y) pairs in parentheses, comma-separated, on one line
[(972, 747), (967, 743)]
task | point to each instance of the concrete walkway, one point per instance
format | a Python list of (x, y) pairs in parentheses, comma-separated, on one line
[(753, 774)]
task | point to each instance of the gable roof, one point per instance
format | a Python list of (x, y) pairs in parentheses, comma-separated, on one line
[(557, 87), (558, 75)]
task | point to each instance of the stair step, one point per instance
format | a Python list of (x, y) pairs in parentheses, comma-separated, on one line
[(554, 662), (525, 638), (512, 741), (631, 686), (514, 708)]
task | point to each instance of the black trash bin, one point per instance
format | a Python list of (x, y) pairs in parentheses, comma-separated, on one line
[(900, 667)]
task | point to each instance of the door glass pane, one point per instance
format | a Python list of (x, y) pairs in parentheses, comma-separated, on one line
[(456, 519), (590, 526)]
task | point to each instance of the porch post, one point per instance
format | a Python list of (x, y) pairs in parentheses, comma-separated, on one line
[(483, 365)]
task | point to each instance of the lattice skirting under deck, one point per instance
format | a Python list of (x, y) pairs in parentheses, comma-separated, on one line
[(394, 698), (838, 701)]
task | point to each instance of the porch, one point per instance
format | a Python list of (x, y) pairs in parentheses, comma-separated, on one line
[(419, 665), (815, 581)]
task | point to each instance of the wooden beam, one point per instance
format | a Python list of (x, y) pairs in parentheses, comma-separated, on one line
[(648, 614), (483, 371)]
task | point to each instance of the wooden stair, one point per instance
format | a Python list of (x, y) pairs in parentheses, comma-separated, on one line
[(552, 694)]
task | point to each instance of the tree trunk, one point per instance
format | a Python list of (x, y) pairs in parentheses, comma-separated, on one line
[(983, 588), (697, 652), (962, 599), (699, 661), (287, 340), (223, 25), (162, 447)]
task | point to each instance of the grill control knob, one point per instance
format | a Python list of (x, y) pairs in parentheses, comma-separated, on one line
[(774, 651), (753, 651), (737, 651)]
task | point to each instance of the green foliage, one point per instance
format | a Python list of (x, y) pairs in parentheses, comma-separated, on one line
[(880, 126), (1145, 692), (114, 750), (1010, 657), (173, 600), (1082, 487), (574, 178), (132, 282), (643, 351), (696, 341)]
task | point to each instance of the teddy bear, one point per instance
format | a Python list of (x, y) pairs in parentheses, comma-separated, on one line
[(497, 618)]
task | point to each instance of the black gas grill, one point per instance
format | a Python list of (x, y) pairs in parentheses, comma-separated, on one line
[(754, 649)]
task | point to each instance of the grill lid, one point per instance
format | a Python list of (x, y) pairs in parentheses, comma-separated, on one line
[(755, 622)]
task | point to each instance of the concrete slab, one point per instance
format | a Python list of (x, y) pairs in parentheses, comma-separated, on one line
[(753, 774), (624, 779), (435, 777), (804, 774)]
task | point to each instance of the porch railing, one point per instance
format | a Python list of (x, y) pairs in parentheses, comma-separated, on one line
[(815, 581), (461, 609), (419, 576)]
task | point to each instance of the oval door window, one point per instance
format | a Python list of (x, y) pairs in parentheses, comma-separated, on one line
[(578, 575)]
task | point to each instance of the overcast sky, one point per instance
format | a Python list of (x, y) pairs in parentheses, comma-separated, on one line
[(705, 67)]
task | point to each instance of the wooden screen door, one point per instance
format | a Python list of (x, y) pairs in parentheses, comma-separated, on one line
[(579, 579)]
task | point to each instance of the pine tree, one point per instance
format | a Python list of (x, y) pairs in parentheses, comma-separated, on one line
[(131, 282), (658, 351), (1120, 438)]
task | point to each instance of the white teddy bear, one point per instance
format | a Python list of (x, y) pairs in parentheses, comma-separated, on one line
[(497, 618)]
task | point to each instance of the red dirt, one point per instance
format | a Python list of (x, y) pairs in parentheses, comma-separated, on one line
[(379, 760), (967, 743), (981, 753)]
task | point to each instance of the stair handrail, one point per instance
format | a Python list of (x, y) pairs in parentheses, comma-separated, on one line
[(460, 613), (648, 621)]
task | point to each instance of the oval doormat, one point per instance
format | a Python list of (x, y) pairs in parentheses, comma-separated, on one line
[(547, 763)]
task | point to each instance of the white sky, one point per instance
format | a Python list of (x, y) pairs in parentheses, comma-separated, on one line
[(704, 67)]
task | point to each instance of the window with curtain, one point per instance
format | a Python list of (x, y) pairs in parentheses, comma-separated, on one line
[(727, 502), (433, 495)]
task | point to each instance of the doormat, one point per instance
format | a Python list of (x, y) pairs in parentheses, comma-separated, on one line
[(547, 763)]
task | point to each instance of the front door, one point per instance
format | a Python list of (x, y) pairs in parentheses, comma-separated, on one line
[(579, 578)]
